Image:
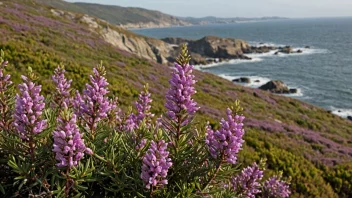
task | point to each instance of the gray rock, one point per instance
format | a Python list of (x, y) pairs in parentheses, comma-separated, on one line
[(275, 86), (286, 50), (292, 91), (216, 47), (242, 80)]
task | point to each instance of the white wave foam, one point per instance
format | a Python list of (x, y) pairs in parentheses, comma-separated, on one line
[(341, 112), (257, 57), (298, 94), (255, 81), (305, 51), (231, 62), (262, 44)]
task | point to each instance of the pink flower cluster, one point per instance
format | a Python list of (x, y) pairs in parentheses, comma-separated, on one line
[(69, 146), (143, 111), (274, 187), (28, 109), (179, 96), (62, 86), (156, 164), (226, 142), (247, 182), (93, 105)]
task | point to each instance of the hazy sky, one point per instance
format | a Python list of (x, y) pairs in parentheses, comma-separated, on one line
[(241, 8)]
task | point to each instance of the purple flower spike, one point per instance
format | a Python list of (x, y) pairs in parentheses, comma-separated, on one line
[(62, 86), (156, 165), (69, 146), (28, 109), (143, 106), (226, 142), (5, 83), (274, 187), (247, 182), (4, 79), (94, 105), (143, 112), (178, 97)]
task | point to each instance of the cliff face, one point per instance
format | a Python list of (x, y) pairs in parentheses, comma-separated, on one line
[(211, 47), (161, 51), (144, 47), (216, 47)]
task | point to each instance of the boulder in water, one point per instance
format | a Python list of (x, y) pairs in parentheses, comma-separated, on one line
[(242, 80), (299, 51), (307, 47), (293, 91), (275, 86), (349, 118), (286, 50)]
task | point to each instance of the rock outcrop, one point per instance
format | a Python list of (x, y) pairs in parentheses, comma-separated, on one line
[(260, 49), (286, 49), (349, 118), (242, 80), (148, 48), (275, 86), (176, 40), (216, 47)]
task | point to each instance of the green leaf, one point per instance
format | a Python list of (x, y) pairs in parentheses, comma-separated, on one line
[(2, 190)]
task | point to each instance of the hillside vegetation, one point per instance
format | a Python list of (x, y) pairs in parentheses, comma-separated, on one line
[(310, 145), (128, 17)]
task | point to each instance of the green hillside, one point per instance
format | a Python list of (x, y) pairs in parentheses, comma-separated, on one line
[(310, 145), (116, 14)]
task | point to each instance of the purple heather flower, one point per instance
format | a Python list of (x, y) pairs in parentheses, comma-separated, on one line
[(226, 142), (115, 111), (178, 97), (62, 86), (69, 146), (4, 63), (143, 112), (276, 188), (94, 105), (5, 82), (143, 106), (77, 102), (4, 79), (141, 144), (156, 165), (130, 123), (28, 109), (247, 183)]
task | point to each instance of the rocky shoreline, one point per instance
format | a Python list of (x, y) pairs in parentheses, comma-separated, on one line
[(273, 86), (212, 49)]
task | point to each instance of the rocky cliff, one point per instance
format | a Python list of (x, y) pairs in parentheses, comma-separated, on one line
[(209, 48), (161, 51)]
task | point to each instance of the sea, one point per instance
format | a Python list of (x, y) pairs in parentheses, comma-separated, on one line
[(322, 74)]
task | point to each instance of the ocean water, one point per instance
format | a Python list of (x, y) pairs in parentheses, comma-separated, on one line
[(323, 74)]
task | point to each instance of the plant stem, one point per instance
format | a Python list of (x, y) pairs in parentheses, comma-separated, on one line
[(216, 172), (151, 192), (178, 127), (67, 190)]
